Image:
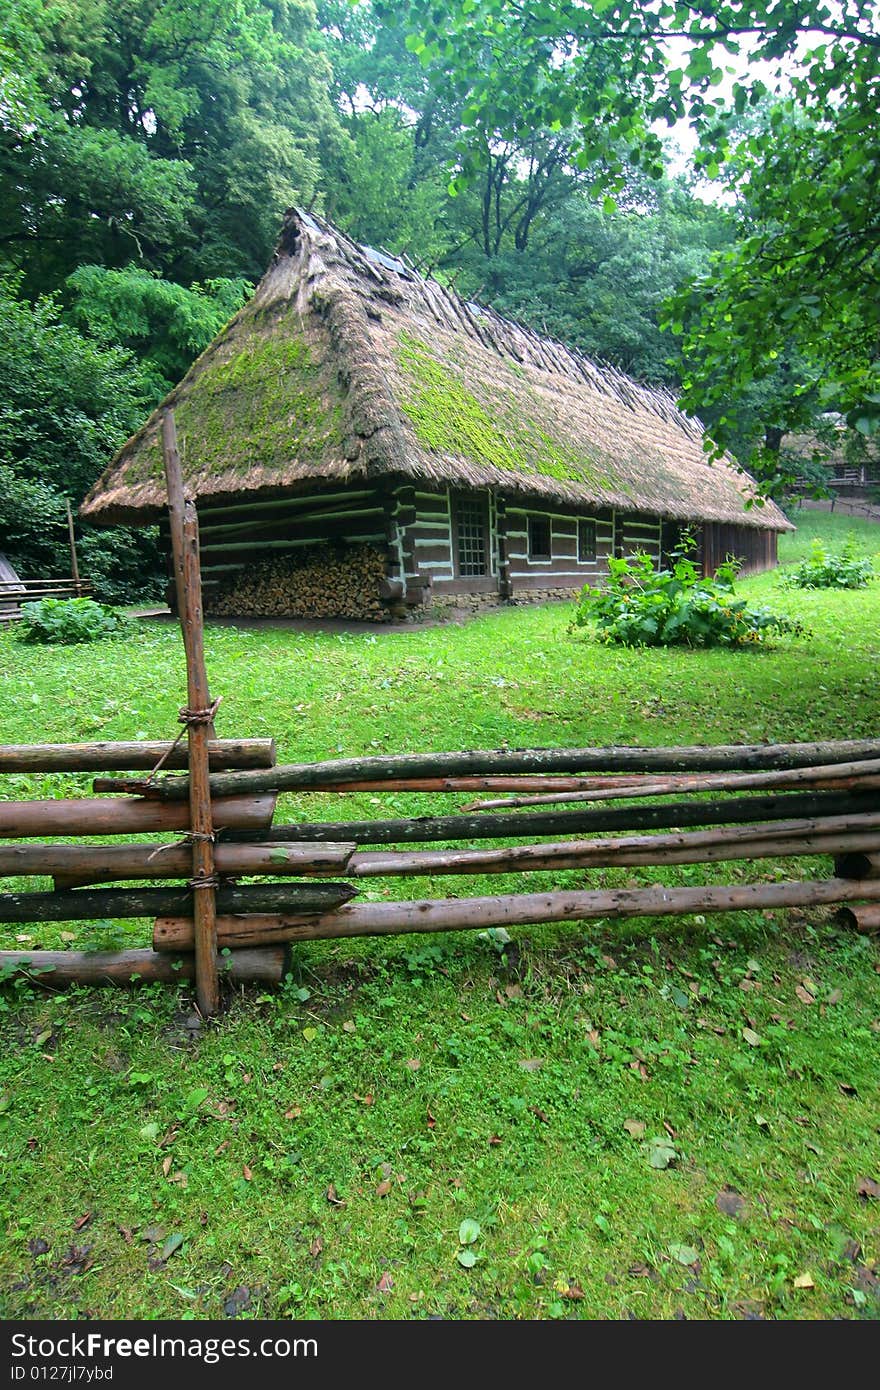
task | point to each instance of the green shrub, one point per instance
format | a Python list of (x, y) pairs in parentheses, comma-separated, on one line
[(821, 570), (64, 621), (642, 606)]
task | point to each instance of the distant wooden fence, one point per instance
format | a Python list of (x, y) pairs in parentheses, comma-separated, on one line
[(13, 593), (689, 805)]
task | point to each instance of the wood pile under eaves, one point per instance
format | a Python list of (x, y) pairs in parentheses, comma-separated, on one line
[(324, 582)]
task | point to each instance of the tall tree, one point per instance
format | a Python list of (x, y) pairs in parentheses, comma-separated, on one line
[(610, 70), (170, 132)]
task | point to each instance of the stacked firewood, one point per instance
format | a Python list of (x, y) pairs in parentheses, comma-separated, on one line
[(322, 582)]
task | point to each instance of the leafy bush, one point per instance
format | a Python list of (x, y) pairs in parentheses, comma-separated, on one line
[(821, 570), (643, 606), (65, 621)]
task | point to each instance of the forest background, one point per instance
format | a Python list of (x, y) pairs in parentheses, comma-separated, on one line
[(527, 155)]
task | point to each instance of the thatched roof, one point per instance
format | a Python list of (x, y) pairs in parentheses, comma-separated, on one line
[(346, 365)]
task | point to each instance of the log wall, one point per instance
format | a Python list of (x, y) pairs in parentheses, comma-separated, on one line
[(563, 570), (378, 551), (755, 549)]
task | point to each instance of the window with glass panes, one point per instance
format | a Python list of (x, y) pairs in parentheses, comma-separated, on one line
[(471, 537), (586, 541), (539, 538)]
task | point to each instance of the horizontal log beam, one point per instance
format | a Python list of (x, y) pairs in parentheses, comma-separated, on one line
[(528, 824), (58, 968), (628, 853), (536, 760), (24, 820), (864, 776), (89, 905), (111, 863), (523, 909), (224, 753)]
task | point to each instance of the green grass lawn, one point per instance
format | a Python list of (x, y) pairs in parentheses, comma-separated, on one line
[(647, 1119)]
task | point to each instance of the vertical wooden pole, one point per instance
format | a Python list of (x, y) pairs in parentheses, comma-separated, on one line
[(187, 575), (74, 566)]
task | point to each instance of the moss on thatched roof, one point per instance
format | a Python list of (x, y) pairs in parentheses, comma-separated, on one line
[(347, 365)]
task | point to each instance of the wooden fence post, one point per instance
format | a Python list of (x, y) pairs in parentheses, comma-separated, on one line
[(199, 719)]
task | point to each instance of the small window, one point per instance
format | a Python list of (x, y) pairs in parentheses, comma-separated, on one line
[(586, 541), (471, 537), (539, 538)]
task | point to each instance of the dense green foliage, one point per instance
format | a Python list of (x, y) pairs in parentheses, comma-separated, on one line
[(64, 622), (66, 402), (645, 604), (799, 289), (169, 132), (824, 569)]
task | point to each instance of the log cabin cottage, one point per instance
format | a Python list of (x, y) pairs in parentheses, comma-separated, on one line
[(363, 443)]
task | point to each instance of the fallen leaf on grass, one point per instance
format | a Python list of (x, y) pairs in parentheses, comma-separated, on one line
[(661, 1154), (466, 1258), (412, 1063), (495, 1139), (835, 996), (172, 1244), (804, 1281), (573, 1292), (166, 1164), (349, 1026), (868, 1187), (804, 995), (635, 1128), (247, 1173), (431, 1120), (751, 1037), (82, 1221), (316, 1247), (333, 1197), (731, 1202), (78, 1258), (846, 1088), (237, 1302), (531, 1063), (386, 1283), (540, 1114), (294, 1112), (383, 1188), (684, 1254), (38, 1246)]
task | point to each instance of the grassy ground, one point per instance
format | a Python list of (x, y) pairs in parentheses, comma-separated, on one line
[(646, 1119)]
